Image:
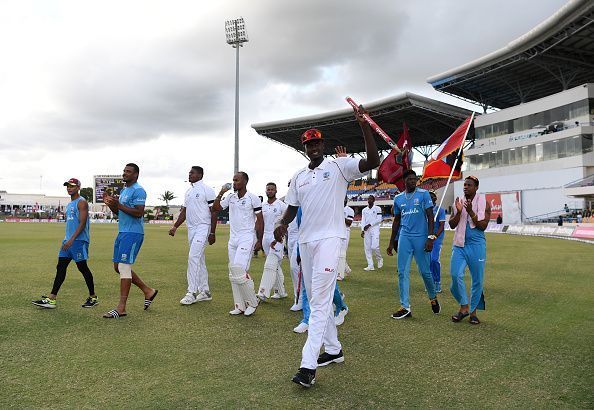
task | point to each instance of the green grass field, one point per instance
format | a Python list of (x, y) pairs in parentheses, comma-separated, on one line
[(534, 348)]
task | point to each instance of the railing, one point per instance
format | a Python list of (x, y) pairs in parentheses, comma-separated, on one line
[(583, 182)]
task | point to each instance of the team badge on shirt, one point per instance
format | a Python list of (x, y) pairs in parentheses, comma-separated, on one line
[(326, 175), (416, 201)]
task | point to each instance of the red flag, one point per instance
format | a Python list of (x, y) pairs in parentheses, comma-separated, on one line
[(396, 163), (442, 160)]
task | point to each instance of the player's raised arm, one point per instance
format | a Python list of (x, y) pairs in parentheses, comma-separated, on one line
[(372, 160)]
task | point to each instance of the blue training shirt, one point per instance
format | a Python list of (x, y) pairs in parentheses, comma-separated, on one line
[(130, 197), (72, 221), (412, 207), (441, 216)]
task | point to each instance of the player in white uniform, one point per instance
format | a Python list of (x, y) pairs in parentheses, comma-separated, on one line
[(371, 218), (343, 267), (272, 210), (319, 189), (292, 237), (245, 219), (196, 212)]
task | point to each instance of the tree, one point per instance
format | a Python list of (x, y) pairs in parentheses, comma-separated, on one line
[(87, 193), (166, 197), (148, 214)]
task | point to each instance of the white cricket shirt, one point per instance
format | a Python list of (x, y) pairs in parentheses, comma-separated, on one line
[(242, 213), (371, 216), (272, 212), (197, 201), (320, 192)]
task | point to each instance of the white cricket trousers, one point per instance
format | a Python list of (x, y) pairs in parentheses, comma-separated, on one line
[(241, 250), (319, 261), (292, 249), (197, 273), (372, 245)]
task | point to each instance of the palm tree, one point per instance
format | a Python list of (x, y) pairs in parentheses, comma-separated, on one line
[(166, 197)]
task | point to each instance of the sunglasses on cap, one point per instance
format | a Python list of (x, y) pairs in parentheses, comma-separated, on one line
[(311, 135)]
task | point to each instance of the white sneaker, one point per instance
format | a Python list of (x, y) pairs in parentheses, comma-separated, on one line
[(236, 311), (368, 268), (301, 328), (279, 295), (380, 263), (203, 296), (339, 319), (296, 307), (249, 311), (262, 297), (188, 299)]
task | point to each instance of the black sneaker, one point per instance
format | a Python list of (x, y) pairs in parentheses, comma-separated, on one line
[(305, 377), (402, 313), (435, 306), (327, 358), (91, 302)]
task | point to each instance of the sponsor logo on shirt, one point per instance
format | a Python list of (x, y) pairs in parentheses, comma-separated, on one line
[(412, 211), (303, 184), (328, 270)]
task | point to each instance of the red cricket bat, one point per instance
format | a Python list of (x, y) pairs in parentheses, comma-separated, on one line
[(374, 126)]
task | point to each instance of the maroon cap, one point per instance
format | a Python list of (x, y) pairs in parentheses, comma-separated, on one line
[(311, 135), (72, 181)]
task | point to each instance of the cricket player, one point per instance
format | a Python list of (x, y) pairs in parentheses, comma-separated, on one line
[(343, 267), (438, 231), (292, 245), (75, 246), (272, 210), (371, 218), (130, 209), (202, 224), (247, 227), (471, 217), (319, 189), (413, 210)]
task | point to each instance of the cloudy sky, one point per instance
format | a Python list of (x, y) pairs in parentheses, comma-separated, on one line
[(87, 86)]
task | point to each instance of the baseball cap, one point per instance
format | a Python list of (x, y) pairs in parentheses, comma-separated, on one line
[(311, 135), (72, 181)]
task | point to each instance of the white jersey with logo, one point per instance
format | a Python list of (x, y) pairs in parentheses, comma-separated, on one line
[(320, 193), (197, 201), (272, 212), (371, 216), (242, 213)]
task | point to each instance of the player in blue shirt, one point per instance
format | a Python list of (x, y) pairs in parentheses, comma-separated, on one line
[(413, 215), (438, 231), (130, 209), (74, 246)]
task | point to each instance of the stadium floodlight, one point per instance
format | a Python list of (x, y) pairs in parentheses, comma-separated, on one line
[(236, 36)]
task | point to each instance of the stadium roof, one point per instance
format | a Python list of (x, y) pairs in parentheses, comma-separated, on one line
[(556, 55), (429, 122)]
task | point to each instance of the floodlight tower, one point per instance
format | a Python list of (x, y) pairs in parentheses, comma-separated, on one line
[(236, 36)]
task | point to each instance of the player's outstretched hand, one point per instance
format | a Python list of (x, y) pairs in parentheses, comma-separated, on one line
[(468, 206), (359, 115), (340, 151), (172, 231)]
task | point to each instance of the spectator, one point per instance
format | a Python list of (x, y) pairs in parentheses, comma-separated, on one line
[(579, 217), (499, 219), (560, 221), (566, 208)]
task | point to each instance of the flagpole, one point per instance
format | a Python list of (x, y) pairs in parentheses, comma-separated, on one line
[(455, 163)]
